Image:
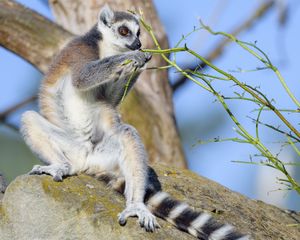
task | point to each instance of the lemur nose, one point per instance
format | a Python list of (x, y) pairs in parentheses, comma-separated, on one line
[(135, 45)]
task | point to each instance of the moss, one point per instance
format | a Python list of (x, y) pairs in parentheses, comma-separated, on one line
[(74, 192), (91, 206), (3, 216), (2, 211)]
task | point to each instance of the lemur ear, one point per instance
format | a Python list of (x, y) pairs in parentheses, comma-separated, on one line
[(106, 15)]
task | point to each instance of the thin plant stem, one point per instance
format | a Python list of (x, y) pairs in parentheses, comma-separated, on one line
[(259, 98), (266, 61)]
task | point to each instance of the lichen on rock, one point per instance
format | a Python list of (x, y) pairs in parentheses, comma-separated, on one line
[(81, 207)]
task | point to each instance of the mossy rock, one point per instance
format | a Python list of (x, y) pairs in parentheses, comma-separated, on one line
[(81, 207)]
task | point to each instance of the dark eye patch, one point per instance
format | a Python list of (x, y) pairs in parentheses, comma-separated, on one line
[(138, 33), (124, 31)]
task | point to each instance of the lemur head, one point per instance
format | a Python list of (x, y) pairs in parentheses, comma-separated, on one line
[(120, 30)]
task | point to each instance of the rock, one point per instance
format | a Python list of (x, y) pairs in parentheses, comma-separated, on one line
[(81, 207)]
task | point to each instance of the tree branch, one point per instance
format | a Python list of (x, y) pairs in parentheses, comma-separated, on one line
[(30, 35), (258, 13), (4, 114)]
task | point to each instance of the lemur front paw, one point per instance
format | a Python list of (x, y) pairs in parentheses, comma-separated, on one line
[(140, 58), (56, 171), (148, 56), (146, 219)]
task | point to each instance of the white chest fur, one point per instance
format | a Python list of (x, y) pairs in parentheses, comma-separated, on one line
[(76, 110), (83, 115)]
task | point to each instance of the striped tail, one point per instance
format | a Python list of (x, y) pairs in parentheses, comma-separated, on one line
[(198, 224)]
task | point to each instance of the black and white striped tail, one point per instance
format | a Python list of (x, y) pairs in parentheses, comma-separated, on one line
[(198, 224)]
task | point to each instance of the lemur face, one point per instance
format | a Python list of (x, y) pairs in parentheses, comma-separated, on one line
[(121, 30)]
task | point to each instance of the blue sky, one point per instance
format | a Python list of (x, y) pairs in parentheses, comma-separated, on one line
[(197, 115)]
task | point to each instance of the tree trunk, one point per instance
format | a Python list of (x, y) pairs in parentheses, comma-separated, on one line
[(149, 106)]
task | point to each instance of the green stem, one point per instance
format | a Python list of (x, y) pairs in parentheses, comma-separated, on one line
[(127, 84), (247, 89), (163, 52), (266, 62), (274, 161)]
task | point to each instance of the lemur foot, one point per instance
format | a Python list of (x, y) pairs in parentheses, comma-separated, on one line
[(146, 219), (57, 171)]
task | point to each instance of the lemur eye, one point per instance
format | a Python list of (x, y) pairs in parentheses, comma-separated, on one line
[(138, 33), (124, 31)]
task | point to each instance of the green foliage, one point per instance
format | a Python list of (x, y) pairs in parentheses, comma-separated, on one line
[(248, 93)]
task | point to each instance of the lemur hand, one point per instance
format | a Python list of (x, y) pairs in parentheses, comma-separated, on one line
[(148, 56), (139, 58)]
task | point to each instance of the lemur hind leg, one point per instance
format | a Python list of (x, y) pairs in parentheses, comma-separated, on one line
[(50, 143), (133, 166)]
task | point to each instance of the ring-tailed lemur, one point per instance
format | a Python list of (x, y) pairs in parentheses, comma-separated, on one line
[(79, 128)]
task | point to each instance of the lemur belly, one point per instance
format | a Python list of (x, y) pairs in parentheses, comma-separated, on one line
[(98, 145)]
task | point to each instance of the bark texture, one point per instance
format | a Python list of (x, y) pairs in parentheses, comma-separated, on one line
[(80, 207), (149, 107), (30, 35)]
